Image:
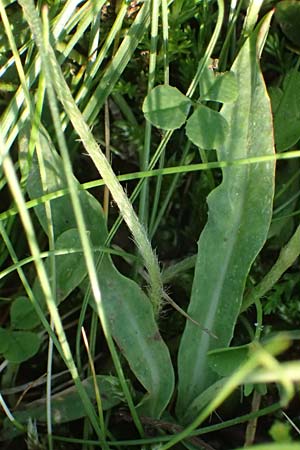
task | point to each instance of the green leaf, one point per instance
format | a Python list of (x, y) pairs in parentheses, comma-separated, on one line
[(127, 307), (166, 107), (66, 405), (280, 432), (287, 14), (239, 217), (206, 128), (202, 400), (70, 267), (23, 315), (286, 109), (136, 334), (4, 339), (225, 361), (207, 79), (22, 346), (62, 211), (223, 89)]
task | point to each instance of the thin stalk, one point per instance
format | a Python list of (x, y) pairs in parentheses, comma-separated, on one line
[(48, 390), (163, 207), (10, 123), (96, 387), (165, 33), (288, 255), (251, 17), (252, 424), (9, 415), (204, 430), (94, 40), (94, 69), (52, 277), (17, 58), (154, 173), (107, 154), (209, 49), (145, 157), (211, 180), (64, 251), (91, 370), (34, 142), (230, 35)]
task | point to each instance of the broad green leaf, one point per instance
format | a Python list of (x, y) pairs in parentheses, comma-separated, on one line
[(23, 315), (134, 330), (207, 79), (70, 267), (166, 107), (275, 94), (286, 110), (66, 405), (206, 128), (223, 89), (287, 13), (238, 221), (4, 340), (202, 400), (22, 346), (128, 309), (225, 361)]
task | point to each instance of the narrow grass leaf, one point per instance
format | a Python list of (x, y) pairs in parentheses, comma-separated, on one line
[(238, 221), (10, 122), (118, 63)]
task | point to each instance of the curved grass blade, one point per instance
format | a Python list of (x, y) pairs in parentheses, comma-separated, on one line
[(238, 222)]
